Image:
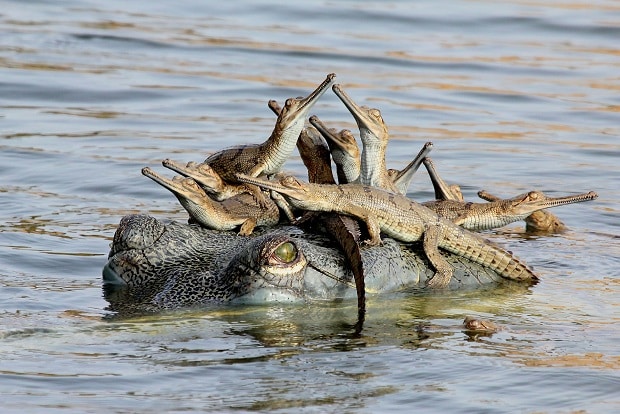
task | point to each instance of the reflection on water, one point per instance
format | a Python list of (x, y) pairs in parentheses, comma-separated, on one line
[(515, 97)]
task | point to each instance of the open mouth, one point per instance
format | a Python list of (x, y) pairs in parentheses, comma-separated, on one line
[(318, 92)]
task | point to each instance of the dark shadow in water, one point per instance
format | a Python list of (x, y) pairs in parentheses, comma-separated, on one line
[(405, 319)]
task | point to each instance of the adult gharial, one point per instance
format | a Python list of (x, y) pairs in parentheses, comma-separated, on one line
[(325, 253)]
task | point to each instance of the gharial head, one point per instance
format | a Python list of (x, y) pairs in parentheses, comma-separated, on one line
[(295, 110), (154, 265), (342, 140), (369, 120), (178, 185), (202, 173), (287, 185), (537, 200)]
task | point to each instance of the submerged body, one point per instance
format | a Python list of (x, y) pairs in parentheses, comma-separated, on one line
[(154, 266)]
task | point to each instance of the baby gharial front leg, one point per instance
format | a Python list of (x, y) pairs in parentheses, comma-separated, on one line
[(247, 227), (443, 269), (373, 227), (374, 231)]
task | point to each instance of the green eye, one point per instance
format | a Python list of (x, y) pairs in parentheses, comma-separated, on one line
[(286, 252)]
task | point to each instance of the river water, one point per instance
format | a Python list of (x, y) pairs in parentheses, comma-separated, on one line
[(516, 95)]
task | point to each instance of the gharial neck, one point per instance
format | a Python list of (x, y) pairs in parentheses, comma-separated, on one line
[(348, 168), (279, 146), (373, 162)]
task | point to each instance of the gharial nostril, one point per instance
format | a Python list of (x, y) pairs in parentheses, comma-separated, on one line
[(136, 231)]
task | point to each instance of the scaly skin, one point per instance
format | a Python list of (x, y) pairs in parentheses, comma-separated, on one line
[(213, 184), (402, 219), (316, 157), (402, 178), (210, 181), (269, 157), (154, 265), (374, 136), (238, 211), (484, 216), (541, 221), (344, 150)]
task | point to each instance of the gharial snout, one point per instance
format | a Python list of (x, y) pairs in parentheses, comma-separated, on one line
[(136, 232)]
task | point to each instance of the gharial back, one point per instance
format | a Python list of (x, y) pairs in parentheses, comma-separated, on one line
[(153, 265), (229, 161)]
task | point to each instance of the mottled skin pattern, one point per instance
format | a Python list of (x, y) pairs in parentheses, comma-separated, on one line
[(315, 156), (241, 210), (269, 157), (154, 265), (396, 216)]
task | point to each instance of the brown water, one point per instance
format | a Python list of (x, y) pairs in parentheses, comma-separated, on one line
[(516, 95)]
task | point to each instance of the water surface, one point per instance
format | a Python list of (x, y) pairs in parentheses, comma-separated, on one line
[(515, 96)]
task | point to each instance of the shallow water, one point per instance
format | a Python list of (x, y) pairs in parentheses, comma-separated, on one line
[(515, 96)]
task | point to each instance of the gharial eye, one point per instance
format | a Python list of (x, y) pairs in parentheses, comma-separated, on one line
[(289, 101), (286, 252)]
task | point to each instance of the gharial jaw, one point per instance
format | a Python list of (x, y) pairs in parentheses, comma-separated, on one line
[(297, 108), (443, 191), (182, 187), (344, 150), (369, 120), (402, 179), (526, 204)]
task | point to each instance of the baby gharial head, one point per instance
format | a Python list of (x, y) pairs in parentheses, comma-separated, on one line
[(293, 183), (536, 200), (296, 109), (287, 185), (369, 120), (189, 184)]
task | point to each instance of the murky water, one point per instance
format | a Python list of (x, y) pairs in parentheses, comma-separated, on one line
[(515, 95)]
